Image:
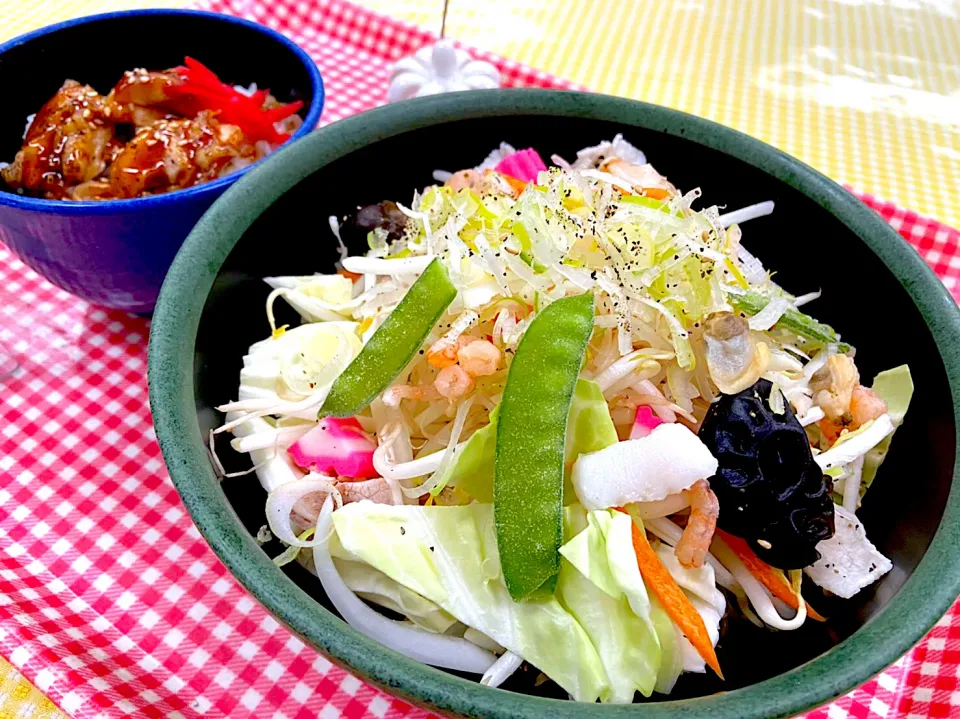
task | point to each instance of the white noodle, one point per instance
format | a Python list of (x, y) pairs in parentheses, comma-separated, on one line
[(437, 650), (335, 228), (502, 669), (759, 597), (274, 437), (749, 212), (804, 299), (382, 266), (669, 532)]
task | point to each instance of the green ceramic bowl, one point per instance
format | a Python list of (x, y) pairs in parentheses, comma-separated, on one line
[(876, 290)]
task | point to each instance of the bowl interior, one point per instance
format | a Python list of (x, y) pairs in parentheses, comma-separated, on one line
[(97, 52), (805, 244)]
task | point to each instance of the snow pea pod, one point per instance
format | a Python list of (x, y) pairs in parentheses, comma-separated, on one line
[(528, 471), (393, 344)]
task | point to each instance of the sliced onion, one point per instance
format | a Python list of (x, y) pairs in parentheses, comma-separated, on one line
[(581, 278), (442, 175), (404, 470), (776, 401), (769, 315), (758, 595), (851, 486), (494, 265), (814, 414), (501, 670), (624, 336), (675, 327), (521, 269), (753, 269), (660, 405), (608, 178), (280, 503), (622, 367), (437, 650), (448, 454), (251, 408), (273, 468), (618, 370), (504, 324), (749, 212)]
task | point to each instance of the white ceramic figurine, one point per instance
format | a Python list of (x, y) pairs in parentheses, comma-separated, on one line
[(439, 68)]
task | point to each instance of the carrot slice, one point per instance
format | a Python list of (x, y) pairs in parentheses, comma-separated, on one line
[(655, 193), (352, 276), (770, 577), (518, 185), (678, 607)]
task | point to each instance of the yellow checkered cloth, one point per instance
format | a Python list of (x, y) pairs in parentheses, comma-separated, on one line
[(20, 700), (868, 93)]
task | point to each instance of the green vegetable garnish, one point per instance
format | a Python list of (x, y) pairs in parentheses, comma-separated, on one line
[(804, 325), (589, 429), (528, 472), (393, 345)]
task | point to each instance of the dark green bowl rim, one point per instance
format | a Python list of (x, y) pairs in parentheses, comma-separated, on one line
[(922, 600)]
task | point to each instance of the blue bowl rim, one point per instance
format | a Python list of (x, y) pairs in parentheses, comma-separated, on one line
[(107, 207)]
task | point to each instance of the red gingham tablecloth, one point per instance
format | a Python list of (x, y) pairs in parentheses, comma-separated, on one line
[(112, 603)]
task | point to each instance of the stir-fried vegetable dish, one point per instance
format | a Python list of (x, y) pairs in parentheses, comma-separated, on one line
[(557, 416), (154, 132)]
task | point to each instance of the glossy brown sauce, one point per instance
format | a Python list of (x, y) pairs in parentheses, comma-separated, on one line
[(138, 140)]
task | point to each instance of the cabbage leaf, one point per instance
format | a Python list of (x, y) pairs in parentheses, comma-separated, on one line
[(448, 555), (895, 387), (600, 584), (375, 586)]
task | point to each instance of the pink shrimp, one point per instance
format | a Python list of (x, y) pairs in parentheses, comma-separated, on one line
[(865, 405), (444, 352), (476, 356), (692, 548), (465, 179), (418, 393), (479, 358), (453, 382)]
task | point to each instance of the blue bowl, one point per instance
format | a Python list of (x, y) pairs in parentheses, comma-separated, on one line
[(117, 252)]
